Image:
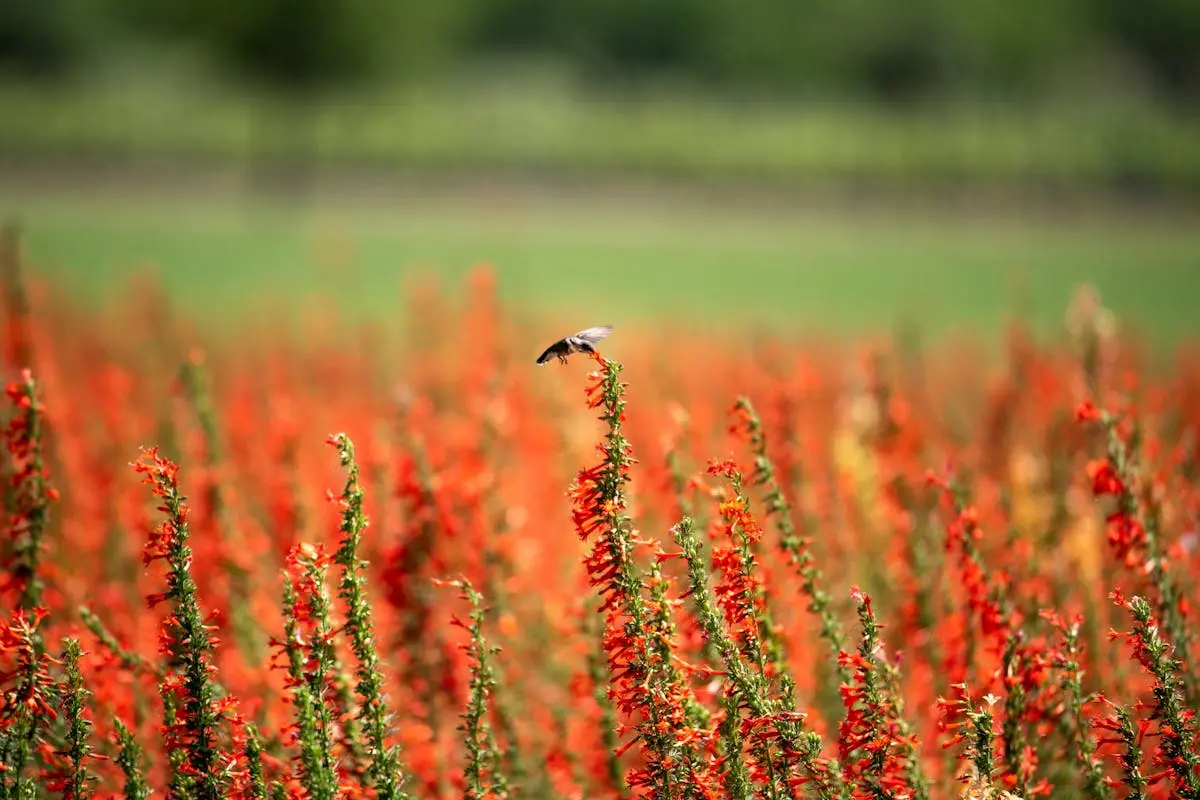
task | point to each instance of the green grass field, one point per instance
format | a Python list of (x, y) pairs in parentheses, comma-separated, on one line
[(620, 259)]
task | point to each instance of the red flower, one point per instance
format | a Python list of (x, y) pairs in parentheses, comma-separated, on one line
[(1104, 477), (1087, 412), (26, 685), (727, 467)]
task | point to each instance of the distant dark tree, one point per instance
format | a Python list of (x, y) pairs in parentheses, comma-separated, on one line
[(292, 53), (40, 38), (619, 38), (517, 26), (609, 40), (1162, 34), (300, 47)]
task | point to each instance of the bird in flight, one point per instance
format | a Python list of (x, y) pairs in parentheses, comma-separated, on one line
[(582, 342)]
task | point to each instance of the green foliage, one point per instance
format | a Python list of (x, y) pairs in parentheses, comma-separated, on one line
[(1161, 34), (41, 39), (896, 52), (295, 47)]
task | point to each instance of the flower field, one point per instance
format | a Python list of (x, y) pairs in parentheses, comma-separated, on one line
[(349, 565)]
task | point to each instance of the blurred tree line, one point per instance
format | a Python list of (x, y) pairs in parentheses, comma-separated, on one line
[(886, 51)]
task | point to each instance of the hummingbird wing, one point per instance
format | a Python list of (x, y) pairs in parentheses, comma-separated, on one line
[(559, 347), (593, 335)]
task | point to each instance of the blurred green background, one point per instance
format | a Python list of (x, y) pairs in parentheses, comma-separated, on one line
[(834, 163)]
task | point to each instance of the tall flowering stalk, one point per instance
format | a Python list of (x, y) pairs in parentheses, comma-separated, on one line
[(1023, 669), (1176, 751), (1081, 747), (1133, 535), (986, 597), (1122, 729), (915, 587), (676, 670), (256, 785), (483, 777), (973, 727), (383, 766), (751, 692), (491, 522), (427, 521), (25, 705), (216, 511), (130, 760), (733, 764), (877, 746), (185, 639), (311, 667), (76, 781), (796, 548), (741, 593), (32, 492), (741, 597), (654, 706), (181, 782)]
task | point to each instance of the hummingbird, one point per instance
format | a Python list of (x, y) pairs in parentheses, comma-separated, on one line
[(582, 342)]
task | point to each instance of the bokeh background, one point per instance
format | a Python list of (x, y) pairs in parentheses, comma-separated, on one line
[(837, 164)]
